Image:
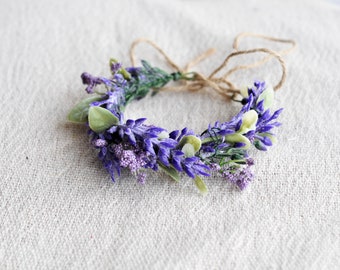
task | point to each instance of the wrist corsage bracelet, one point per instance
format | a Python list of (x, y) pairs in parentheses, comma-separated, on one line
[(139, 146)]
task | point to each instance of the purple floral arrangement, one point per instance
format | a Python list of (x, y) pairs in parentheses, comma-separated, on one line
[(137, 146)]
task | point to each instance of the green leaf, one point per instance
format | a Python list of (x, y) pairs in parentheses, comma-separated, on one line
[(268, 97), (237, 137), (146, 65), (79, 112), (249, 120), (171, 171), (193, 140), (238, 161), (125, 74), (101, 119), (201, 185), (188, 150)]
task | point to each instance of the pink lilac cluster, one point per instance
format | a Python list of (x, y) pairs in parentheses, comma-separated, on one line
[(241, 178), (133, 159)]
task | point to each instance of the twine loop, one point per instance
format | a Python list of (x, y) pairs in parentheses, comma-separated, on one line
[(221, 84)]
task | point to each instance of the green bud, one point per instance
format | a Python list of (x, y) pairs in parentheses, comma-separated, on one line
[(101, 119)]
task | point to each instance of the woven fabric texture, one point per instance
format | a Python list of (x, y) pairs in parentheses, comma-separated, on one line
[(58, 207)]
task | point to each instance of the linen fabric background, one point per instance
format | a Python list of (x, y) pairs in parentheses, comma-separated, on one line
[(58, 207)]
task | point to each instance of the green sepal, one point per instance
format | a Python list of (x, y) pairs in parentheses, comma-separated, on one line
[(101, 119), (171, 171), (237, 137), (201, 185), (80, 112), (193, 140)]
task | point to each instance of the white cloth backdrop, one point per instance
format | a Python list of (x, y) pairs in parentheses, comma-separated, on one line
[(58, 207)]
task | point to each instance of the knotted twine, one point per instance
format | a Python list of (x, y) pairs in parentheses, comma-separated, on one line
[(222, 85)]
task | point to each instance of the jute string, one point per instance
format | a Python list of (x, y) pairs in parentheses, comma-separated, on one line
[(221, 84)]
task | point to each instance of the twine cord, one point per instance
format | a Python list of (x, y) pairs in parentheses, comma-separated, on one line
[(195, 81)]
